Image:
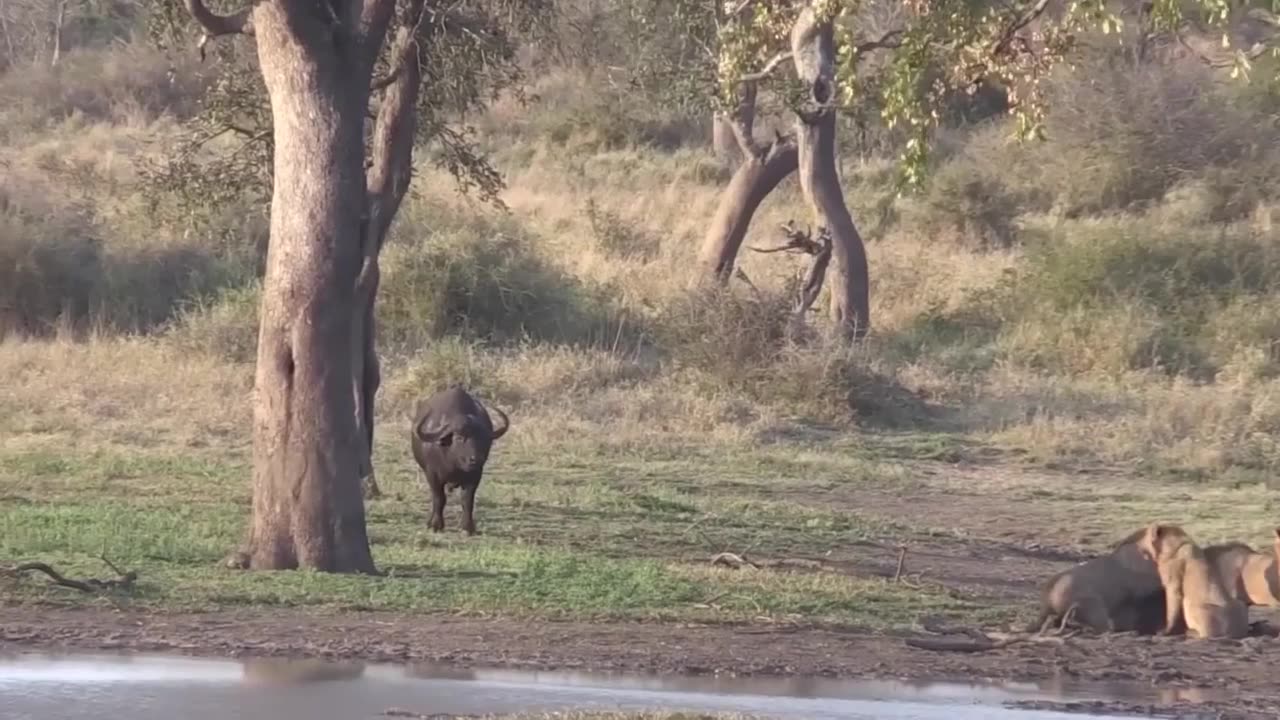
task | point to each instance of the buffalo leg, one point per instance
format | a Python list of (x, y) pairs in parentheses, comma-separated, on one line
[(437, 507), (468, 508)]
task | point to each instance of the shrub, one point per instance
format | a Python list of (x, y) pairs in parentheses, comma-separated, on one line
[(728, 334), (618, 238), (1122, 295), (114, 84), (479, 276), (60, 265), (224, 324)]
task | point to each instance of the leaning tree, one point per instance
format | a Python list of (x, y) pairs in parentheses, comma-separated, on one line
[(824, 57), (352, 86)]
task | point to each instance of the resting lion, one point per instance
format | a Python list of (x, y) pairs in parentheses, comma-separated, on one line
[(1118, 592)]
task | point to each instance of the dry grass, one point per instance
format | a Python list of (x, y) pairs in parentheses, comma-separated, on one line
[(576, 323)]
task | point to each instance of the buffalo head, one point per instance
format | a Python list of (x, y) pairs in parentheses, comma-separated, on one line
[(464, 438)]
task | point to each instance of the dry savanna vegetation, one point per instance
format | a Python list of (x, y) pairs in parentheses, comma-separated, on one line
[(1067, 334)]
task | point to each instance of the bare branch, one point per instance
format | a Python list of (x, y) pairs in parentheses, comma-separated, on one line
[(768, 69), (1023, 20), (738, 10), (797, 241), (215, 25), (887, 41)]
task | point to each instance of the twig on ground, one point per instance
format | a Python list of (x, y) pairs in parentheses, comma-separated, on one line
[(902, 558), (974, 640), (124, 581)]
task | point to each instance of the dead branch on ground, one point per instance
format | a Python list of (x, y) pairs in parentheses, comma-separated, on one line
[(123, 581), (967, 639)]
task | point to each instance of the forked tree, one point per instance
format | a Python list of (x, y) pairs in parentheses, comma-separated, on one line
[(335, 189), (925, 51)]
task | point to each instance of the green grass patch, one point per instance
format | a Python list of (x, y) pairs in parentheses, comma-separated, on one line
[(611, 536)]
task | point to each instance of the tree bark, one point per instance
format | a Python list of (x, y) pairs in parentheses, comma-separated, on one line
[(761, 170), (388, 181), (307, 506), (723, 143), (813, 50), (56, 33)]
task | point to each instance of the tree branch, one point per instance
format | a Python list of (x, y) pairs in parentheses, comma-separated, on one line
[(887, 41), (215, 25), (1023, 20), (769, 68), (1031, 14), (392, 144)]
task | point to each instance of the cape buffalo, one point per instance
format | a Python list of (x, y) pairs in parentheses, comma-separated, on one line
[(451, 438)]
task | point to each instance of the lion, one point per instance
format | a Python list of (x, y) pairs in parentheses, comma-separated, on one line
[(1249, 575), (1117, 592), (1194, 591)]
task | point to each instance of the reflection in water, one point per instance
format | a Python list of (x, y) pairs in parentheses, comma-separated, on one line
[(158, 687), (1060, 688), (282, 672), (432, 671)]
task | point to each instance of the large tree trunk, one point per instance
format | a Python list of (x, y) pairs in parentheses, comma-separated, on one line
[(307, 508), (813, 47), (761, 170)]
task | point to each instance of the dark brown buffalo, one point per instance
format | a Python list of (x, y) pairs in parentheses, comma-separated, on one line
[(451, 438)]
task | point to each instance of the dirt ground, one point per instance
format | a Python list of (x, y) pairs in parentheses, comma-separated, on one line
[(1227, 679)]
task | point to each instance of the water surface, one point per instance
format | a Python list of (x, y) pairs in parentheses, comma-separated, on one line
[(159, 687)]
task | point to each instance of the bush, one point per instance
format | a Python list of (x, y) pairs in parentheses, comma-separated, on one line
[(616, 237), (584, 112), (51, 268), (114, 84), (62, 266), (1124, 295), (223, 325), (479, 277), (729, 334), (976, 206), (1119, 139)]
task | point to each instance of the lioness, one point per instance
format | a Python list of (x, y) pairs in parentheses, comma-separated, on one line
[(1250, 576), (1117, 592), (1193, 589)]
